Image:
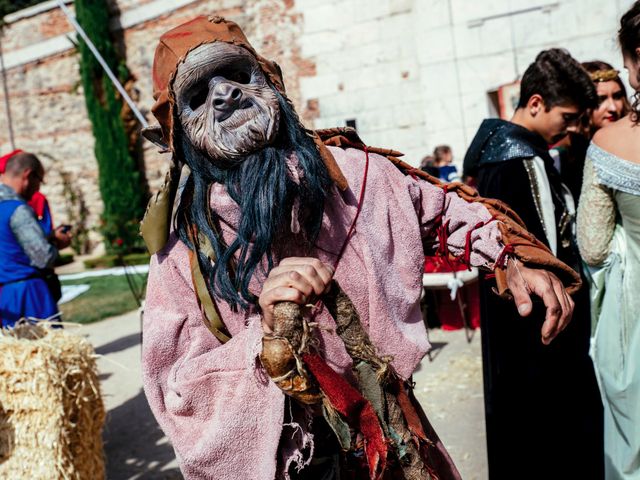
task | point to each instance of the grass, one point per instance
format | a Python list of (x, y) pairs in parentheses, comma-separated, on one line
[(108, 261), (108, 296)]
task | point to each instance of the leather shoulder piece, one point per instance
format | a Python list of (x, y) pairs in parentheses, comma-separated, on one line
[(347, 137), (155, 225)]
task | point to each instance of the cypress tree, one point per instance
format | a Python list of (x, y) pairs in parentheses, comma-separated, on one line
[(121, 182)]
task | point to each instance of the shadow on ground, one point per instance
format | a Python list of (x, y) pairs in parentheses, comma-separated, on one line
[(134, 444), (119, 344)]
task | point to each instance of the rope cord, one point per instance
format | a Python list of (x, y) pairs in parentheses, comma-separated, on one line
[(103, 64)]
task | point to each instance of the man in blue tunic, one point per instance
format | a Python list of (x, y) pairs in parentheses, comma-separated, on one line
[(25, 251)]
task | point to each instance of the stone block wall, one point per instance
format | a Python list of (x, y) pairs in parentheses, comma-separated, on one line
[(483, 53), (46, 99), (417, 73), (366, 69), (412, 73)]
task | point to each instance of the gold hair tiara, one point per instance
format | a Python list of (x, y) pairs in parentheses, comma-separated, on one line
[(604, 75)]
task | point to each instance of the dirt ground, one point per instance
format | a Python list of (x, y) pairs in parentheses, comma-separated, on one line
[(448, 385)]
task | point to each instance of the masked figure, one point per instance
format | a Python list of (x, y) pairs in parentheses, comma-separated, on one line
[(282, 321)]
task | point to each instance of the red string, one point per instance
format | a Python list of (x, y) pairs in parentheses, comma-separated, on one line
[(467, 243), (355, 218), (443, 236), (507, 250), (442, 232), (358, 210)]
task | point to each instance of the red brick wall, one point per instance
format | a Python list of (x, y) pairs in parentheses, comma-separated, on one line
[(47, 103)]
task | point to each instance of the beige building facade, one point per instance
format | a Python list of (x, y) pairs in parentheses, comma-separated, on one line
[(410, 74)]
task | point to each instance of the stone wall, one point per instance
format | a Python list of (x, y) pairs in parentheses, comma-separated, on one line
[(367, 69), (411, 73), (417, 73), (46, 99)]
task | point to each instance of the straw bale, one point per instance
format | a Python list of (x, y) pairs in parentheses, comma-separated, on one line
[(51, 410)]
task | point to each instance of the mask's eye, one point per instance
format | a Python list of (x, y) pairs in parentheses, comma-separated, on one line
[(241, 77), (199, 97), (235, 75)]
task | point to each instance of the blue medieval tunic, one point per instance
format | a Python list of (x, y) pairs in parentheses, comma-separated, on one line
[(24, 253)]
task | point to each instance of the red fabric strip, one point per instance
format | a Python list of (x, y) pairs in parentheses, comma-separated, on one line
[(409, 412), (355, 409), (467, 243)]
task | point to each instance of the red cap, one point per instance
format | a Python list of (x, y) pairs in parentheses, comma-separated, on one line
[(5, 158)]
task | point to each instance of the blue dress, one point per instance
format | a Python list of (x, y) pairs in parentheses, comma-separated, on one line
[(22, 292)]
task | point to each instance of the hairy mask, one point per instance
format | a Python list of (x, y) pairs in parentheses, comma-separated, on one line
[(225, 105), (262, 185), (222, 109)]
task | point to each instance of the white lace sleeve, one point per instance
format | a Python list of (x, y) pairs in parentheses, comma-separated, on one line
[(596, 217)]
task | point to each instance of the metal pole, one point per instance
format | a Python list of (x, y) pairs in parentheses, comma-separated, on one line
[(104, 65), (7, 106)]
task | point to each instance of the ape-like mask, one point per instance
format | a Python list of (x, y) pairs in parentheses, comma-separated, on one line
[(223, 111), (224, 103)]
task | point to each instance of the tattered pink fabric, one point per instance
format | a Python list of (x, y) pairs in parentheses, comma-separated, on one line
[(219, 409)]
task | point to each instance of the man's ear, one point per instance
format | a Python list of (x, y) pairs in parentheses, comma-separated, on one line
[(535, 104), (26, 173), (153, 133)]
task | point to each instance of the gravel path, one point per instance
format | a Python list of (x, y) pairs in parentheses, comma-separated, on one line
[(449, 386)]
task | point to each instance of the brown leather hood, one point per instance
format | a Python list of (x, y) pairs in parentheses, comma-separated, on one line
[(172, 49), (178, 42)]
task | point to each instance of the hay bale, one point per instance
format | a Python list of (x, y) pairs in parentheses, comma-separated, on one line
[(51, 411)]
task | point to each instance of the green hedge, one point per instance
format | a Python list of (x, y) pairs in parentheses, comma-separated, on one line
[(121, 182)]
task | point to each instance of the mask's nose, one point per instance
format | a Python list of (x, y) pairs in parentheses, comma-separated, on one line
[(226, 100)]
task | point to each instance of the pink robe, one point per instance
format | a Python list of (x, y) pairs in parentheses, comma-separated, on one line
[(221, 412)]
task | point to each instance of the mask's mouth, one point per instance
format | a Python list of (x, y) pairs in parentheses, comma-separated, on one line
[(239, 116)]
